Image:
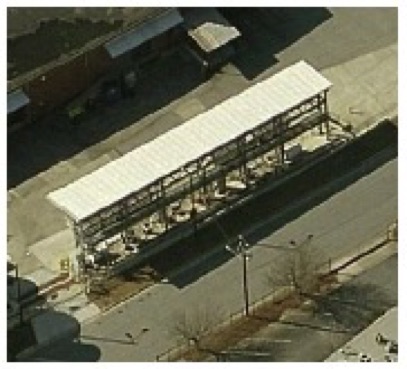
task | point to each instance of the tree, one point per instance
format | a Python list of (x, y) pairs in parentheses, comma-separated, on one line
[(297, 268), (192, 325)]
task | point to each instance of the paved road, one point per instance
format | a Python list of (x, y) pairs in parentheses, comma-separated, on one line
[(170, 96), (347, 220), (304, 337), (332, 41)]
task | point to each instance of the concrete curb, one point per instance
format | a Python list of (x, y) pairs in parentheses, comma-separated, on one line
[(323, 191), (365, 166), (345, 263), (340, 266), (320, 192), (292, 174)]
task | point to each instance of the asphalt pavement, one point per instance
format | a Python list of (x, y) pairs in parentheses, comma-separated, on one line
[(303, 337), (356, 48), (346, 221)]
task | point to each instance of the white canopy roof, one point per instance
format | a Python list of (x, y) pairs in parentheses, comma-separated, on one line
[(143, 33), (189, 141)]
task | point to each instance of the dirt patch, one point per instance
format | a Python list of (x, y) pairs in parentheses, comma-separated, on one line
[(230, 333), (121, 287)]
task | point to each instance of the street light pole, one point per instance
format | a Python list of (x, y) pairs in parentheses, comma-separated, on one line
[(241, 250), (245, 282)]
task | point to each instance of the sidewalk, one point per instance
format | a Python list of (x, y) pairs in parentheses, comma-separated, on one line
[(346, 268), (362, 93), (365, 344), (365, 89), (72, 308), (341, 97)]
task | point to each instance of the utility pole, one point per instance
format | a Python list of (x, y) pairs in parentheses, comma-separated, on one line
[(245, 258), (241, 250)]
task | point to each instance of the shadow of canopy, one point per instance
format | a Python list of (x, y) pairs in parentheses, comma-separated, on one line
[(268, 31)]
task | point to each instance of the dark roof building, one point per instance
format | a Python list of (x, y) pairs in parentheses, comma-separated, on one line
[(37, 37), (54, 54)]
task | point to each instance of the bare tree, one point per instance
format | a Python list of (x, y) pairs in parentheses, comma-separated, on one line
[(297, 268), (192, 325)]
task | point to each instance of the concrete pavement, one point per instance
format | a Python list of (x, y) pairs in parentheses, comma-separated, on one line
[(374, 92), (341, 102), (305, 336), (156, 307), (72, 301), (364, 345), (363, 70), (365, 88)]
